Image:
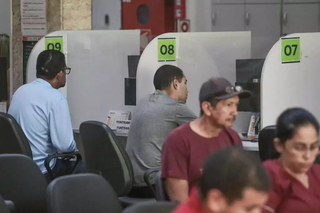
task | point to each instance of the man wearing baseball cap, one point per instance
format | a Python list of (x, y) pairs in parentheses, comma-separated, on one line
[(187, 146)]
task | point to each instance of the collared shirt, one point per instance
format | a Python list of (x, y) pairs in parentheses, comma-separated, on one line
[(288, 195), (43, 115), (153, 119), (192, 205)]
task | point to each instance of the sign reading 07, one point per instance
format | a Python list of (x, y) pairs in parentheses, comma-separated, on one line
[(166, 49), (54, 43), (290, 50)]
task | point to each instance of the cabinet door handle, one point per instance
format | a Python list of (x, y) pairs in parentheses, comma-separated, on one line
[(285, 18), (214, 17), (247, 18)]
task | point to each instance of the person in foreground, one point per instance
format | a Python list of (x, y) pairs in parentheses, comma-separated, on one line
[(233, 181), (43, 114), (295, 178), (153, 119), (189, 145)]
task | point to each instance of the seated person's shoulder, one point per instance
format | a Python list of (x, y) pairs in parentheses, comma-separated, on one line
[(236, 140), (57, 95), (274, 169), (180, 130), (175, 136)]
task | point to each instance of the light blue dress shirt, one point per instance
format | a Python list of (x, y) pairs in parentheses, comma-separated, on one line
[(43, 115)]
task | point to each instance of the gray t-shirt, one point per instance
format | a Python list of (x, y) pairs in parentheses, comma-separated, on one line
[(152, 120)]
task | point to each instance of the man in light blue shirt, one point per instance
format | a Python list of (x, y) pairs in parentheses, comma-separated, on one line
[(43, 114)]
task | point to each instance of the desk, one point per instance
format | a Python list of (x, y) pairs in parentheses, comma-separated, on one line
[(247, 145), (250, 146)]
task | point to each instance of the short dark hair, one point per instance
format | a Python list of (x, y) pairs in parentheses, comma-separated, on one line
[(213, 103), (232, 170), (50, 63), (165, 75), (291, 119)]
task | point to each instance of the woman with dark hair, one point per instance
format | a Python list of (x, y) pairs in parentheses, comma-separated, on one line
[(295, 177)]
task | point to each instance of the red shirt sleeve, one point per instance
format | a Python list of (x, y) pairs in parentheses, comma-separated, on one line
[(174, 158), (276, 190)]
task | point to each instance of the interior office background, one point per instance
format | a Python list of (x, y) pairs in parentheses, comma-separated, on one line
[(261, 17)]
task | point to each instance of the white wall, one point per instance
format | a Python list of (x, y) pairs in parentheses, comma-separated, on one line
[(100, 8), (5, 17)]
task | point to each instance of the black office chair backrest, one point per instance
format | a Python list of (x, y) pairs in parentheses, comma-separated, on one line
[(266, 146), (161, 194), (3, 207), (153, 207), (105, 156), (22, 182), (12, 138), (82, 193)]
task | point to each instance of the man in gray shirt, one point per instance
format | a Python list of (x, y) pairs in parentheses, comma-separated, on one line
[(153, 119)]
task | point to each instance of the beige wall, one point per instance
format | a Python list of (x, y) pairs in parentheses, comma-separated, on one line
[(61, 15)]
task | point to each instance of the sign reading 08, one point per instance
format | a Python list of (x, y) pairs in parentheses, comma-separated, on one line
[(166, 49), (54, 43), (290, 50)]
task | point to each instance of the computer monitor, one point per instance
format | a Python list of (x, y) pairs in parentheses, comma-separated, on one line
[(249, 70), (130, 89), (3, 79), (251, 104)]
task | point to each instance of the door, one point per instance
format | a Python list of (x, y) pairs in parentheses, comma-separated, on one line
[(298, 18), (228, 17), (263, 20)]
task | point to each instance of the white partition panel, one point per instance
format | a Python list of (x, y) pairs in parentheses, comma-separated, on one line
[(200, 56), (99, 62), (293, 84)]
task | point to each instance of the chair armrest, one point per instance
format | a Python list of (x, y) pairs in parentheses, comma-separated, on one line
[(146, 178), (10, 205), (63, 155)]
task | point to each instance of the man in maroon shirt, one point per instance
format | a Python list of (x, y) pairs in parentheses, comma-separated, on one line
[(233, 181), (188, 146)]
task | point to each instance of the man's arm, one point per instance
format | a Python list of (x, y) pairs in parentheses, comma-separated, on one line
[(177, 189), (184, 114), (174, 159), (60, 128)]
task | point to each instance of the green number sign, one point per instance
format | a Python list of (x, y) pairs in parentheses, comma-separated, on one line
[(166, 49), (54, 43), (290, 50)]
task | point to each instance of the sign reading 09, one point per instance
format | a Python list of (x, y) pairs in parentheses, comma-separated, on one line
[(166, 49), (54, 43), (290, 50)]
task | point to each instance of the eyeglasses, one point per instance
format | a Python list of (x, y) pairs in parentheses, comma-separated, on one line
[(67, 70), (229, 90)]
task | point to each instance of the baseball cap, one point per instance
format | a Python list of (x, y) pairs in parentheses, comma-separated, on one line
[(221, 89)]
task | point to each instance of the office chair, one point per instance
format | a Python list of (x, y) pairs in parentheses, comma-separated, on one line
[(161, 194), (147, 176), (22, 182), (4, 207), (107, 157), (154, 207), (265, 140), (14, 141), (82, 193)]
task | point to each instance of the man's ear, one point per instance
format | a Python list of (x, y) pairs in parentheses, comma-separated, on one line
[(216, 201), (278, 145), (205, 106), (175, 84)]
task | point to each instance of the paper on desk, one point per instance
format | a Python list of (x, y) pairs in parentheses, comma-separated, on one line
[(3, 107), (115, 115), (122, 127)]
